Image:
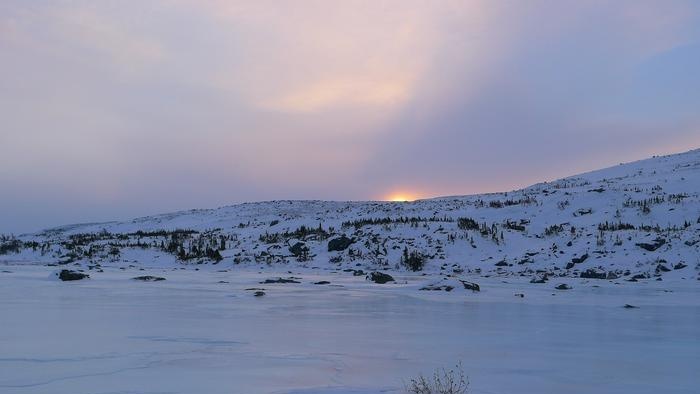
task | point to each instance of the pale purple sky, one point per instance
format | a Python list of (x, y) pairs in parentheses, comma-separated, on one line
[(115, 109)]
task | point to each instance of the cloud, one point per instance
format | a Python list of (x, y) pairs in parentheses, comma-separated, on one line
[(117, 104)]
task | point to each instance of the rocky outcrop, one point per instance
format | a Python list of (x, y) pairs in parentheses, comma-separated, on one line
[(149, 278), (380, 277), (339, 244), (68, 275)]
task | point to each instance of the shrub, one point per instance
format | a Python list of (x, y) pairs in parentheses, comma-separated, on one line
[(442, 382), (414, 260)]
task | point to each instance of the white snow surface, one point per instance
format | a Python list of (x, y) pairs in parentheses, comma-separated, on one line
[(202, 330), (656, 199)]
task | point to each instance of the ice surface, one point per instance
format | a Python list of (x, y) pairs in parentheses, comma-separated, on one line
[(192, 334)]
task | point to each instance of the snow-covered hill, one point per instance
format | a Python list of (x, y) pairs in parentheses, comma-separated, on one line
[(634, 221)]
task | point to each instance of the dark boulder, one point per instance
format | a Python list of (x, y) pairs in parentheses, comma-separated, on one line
[(259, 293), (593, 274), (149, 278), (298, 249), (662, 268), (438, 288), (629, 306), (563, 286), (658, 242), (639, 276), (380, 277), (679, 266), (579, 260), (278, 280), (540, 279), (322, 282), (470, 286), (358, 272), (339, 244), (68, 275)]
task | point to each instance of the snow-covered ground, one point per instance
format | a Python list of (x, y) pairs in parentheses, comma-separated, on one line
[(623, 235), (639, 219), (203, 332)]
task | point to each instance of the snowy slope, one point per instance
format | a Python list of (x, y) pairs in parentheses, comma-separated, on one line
[(639, 219)]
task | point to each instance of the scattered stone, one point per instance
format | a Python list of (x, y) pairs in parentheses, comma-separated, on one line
[(658, 242), (339, 244), (639, 276), (438, 288), (470, 286), (593, 274), (279, 280), (613, 275), (540, 279), (380, 277), (68, 275), (563, 286), (149, 278), (579, 260)]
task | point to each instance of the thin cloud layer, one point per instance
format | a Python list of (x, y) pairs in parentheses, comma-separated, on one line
[(112, 109)]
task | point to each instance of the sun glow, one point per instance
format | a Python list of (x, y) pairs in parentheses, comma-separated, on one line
[(400, 197)]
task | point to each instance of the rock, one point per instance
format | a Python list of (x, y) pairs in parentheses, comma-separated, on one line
[(570, 265), (658, 242), (149, 278), (540, 279), (298, 249), (612, 276), (593, 274), (579, 260), (639, 276), (380, 277), (278, 280), (679, 266), (339, 244), (521, 295), (563, 286), (259, 293), (438, 288), (358, 272), (68, 275), (502, 263), (662, 268), (470, 286), (628, 306), (322, 282)]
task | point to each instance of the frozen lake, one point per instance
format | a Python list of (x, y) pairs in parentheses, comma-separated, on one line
[(193, 334)]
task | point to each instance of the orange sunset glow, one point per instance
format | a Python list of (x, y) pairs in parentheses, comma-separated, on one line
[(401, 197)]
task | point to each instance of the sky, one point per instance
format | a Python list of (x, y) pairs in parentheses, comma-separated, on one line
[(117, 109)]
